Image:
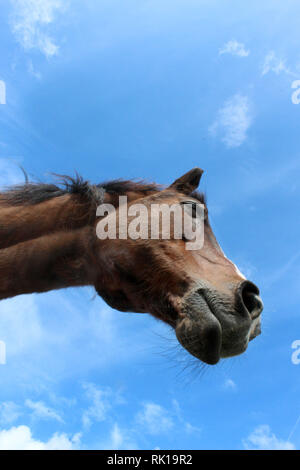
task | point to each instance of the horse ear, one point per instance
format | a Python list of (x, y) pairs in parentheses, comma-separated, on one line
[(188, 182)]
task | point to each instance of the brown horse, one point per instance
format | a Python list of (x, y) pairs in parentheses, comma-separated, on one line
[(48, 241)]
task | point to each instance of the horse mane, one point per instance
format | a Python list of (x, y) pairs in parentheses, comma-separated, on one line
[(31, 193)]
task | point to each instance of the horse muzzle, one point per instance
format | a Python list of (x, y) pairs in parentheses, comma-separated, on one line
[(214, 325)]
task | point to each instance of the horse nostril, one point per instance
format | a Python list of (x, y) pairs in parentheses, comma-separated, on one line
[(251, 299)]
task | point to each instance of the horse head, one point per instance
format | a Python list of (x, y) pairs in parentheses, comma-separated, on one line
[(214, 310)]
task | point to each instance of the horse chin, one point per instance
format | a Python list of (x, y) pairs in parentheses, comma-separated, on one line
[(202, 341), (200, 333)]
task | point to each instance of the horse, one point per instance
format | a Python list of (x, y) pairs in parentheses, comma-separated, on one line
[(48, 241)]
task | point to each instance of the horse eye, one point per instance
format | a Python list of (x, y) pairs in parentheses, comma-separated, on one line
[(194, 209), (192, 206)]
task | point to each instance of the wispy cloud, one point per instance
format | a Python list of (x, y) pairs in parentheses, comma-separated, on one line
[(233, 121), (234, 48), (262, 438), (26, 328), (102, 400), (20, 325), (275, 64), (119, 439), (9, 412), (33, 71), (149, 419), (229, 384), (186, 426), (154, 418), (31, 22), (41, 411)]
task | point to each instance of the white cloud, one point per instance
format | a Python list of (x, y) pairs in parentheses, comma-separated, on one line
[(30, 23), (119, 440), (274, 64), (116, 437), (233, 121), (150, 419), (229, 384), (20, 438), (234, 48), (154, 419), (20, 325), (263, 439), (9, 412), (186, 426), (52, 328), (40, 410), (33, 71), (101, 403), (191, 429)]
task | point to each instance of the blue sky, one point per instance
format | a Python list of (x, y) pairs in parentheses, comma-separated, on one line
[(150, 89)]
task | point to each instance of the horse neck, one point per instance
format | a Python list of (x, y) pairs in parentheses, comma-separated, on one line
[(50, 245), (20, 223), (25, 222), (54, 261)]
